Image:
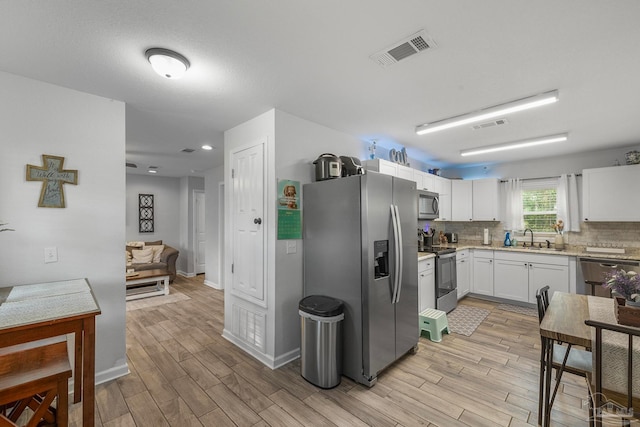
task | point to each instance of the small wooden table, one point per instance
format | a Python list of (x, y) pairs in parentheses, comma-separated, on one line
[(147, 283), (564, 322), (44, 310)]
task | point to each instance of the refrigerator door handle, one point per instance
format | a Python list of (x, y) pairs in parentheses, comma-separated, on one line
[(400, 252), (396, 269)]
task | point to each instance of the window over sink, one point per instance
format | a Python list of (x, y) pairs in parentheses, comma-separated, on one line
[(539, 204)]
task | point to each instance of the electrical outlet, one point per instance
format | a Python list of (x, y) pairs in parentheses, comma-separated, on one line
[(291, 247), (50, 255)]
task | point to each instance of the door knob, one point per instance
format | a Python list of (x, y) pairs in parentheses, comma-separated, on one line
[(257, 220)]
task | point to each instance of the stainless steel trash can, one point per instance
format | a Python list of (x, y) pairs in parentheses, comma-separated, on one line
[(321, 340)]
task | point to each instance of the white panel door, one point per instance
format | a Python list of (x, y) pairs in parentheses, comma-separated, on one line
[(200, 232), (248, 224)]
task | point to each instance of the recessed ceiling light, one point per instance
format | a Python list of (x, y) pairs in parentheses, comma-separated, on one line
[(152, 171), (167, 63), (207, 147), (517, 144), (490, 112)]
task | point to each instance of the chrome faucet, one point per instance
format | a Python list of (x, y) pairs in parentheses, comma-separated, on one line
[(525, 233)]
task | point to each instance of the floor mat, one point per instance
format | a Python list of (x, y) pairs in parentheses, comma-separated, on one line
[(174, 296), (517, 309), (465, 319)]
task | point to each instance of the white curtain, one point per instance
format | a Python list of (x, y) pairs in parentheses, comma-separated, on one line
[(512, 190), (567, 200)]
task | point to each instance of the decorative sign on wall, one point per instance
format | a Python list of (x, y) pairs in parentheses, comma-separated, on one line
[(399, 156), (145, 213), (53, 177), (289, 219)]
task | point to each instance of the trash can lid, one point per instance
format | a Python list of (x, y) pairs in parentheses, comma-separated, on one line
[(321, 305)]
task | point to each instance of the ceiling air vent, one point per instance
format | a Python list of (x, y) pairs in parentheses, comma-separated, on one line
[(131, 165), (490, 124), (187, 150), (416, 43)]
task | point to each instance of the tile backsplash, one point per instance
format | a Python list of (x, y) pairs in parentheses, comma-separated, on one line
[(612, 234)]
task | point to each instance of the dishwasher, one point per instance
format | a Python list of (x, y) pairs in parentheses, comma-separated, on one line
[(595, 269)]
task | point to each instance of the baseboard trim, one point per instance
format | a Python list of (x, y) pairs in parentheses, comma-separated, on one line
[(213, 285), (287, 358), (112, 374), (108, 375), (185, 274), (265, 359)]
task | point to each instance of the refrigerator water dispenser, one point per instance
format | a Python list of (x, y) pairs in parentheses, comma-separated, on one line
[(381, 258)]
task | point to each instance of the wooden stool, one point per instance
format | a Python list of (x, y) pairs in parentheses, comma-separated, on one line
[(32, 375), (434, 322)]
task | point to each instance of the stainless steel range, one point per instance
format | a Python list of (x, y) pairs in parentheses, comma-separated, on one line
[(446, 278)]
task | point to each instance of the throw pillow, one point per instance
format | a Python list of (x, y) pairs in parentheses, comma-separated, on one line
[(128, 256), (154, 243), (157, 251), (143, 256)]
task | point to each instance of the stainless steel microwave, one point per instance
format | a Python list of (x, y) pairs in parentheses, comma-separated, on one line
[(428, 205)]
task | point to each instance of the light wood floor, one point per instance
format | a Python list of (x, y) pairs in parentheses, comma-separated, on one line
[(184, 373)]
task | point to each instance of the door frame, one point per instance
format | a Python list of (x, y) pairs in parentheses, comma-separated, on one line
[(194, 246)]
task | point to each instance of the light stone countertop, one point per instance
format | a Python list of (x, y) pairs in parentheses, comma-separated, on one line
[(570, 250)]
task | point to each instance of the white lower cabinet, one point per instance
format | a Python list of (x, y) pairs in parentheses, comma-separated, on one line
[(511, 280), (482, 282), (426, 284), (519, 275), (463, 272)]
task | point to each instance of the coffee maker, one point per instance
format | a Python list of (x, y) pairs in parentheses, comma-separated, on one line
[(425, 240)]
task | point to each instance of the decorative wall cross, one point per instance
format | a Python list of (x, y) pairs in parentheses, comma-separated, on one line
[(53, 176)]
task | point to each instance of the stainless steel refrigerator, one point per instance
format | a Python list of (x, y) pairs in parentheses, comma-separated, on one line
[(360, 246)]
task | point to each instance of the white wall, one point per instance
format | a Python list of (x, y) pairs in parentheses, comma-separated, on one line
[(89, 132), (166, 192), (215, 229), (537, 168), (298, 143)]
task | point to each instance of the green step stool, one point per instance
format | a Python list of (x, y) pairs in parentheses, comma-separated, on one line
[(434, 322)]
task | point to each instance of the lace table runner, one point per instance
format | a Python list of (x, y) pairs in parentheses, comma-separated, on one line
[(47, 301), (46, 290), (614, 349)]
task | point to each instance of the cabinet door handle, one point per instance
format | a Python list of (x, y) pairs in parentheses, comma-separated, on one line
[(422, 275), (257, 220)]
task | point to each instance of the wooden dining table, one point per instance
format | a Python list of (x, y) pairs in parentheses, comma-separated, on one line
[(564, 321), (43, 310)]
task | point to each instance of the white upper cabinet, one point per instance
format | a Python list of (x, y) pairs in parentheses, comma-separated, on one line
[(610, 194), (443, 188), (486, 199), (405, 172), (461, 200), (426, 181), (382, 166), (390, 168)]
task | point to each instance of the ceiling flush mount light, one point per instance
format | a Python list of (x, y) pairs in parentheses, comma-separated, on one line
[(517, 144), (490, 112), (167, 63), (207, 147)]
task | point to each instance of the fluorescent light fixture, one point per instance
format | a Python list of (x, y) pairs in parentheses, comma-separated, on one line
[(517, 144), (167, 63), (207, 147), (490, 112)]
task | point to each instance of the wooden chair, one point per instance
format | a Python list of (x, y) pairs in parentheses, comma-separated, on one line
[(32, 375), (564, 358), (609, 404)]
